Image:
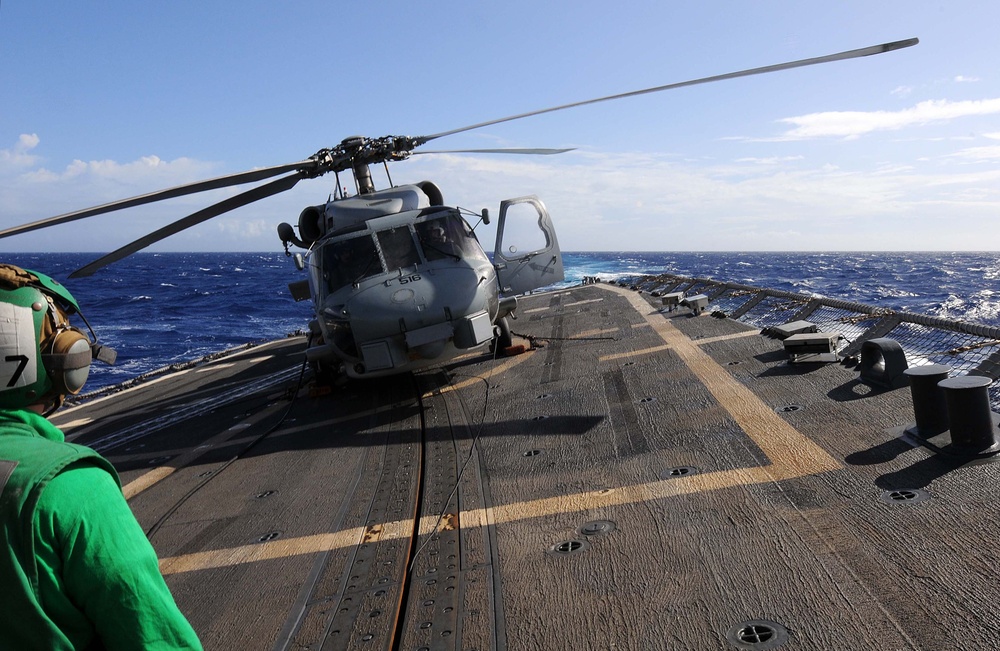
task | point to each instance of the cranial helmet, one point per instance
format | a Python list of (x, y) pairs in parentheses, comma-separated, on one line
[(42, 356)]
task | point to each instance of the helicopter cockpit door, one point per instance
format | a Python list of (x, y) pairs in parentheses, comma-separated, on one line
[(527, 253)]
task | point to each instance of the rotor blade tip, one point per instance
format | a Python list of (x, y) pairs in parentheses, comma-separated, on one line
[(899, 45)]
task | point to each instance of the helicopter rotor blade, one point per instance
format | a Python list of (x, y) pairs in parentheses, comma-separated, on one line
[(250, 196), (357, 152), (849, 54), (509, 150), (160, 195)]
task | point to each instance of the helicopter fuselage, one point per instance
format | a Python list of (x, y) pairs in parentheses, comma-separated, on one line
[(400, 282), (402, 291)]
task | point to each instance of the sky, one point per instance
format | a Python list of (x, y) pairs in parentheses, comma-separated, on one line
[(899, 151)]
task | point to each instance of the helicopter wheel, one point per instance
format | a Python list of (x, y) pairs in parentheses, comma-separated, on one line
[(325, 373), (502, 340)]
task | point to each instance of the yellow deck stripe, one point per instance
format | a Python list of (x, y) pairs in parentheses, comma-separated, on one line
[(499, 368), (593, 333), (634, 353), (790, 452), (735, 335), (154, 476)]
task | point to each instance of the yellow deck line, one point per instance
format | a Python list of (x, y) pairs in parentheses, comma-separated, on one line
[(735, 335), (594, 333), (589, 300), (634, 353), (791, 455), (499, 368), (656, 490), (152, 477), (146, 480), (790, 452)]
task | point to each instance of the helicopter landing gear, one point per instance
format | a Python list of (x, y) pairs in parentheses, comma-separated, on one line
[(326, 374), (502, 340)]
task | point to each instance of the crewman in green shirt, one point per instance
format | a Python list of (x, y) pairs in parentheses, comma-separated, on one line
[(76, 569)]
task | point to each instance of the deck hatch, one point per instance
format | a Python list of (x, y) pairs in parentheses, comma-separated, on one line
[(785, 409), (570, 547), (758, 634), (905, 496), (679, 471), (598, 527)]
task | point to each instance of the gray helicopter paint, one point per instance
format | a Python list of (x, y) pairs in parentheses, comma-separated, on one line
[(420, 313)]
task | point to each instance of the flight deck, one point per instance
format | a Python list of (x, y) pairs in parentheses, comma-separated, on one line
[(640, 478)]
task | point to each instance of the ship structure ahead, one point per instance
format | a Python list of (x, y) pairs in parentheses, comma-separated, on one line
[(682, 464)]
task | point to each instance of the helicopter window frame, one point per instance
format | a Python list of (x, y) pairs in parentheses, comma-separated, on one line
[(337, 276), (398, 253), (523, 222), (459, 240)]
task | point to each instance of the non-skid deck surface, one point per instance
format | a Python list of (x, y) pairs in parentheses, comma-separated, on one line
[(639, 481)]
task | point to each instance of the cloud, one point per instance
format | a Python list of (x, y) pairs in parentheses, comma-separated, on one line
[(147, 172), (30, 191), (853, 124), (18, 156), (627, 201), (978, 154), (770, 160), (246, 229), (963, 79), (599, 201)]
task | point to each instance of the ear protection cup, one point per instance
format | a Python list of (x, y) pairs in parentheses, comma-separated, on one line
[(68, 361), (42, 357)]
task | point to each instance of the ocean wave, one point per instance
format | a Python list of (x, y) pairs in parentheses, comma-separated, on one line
[(197, 303)]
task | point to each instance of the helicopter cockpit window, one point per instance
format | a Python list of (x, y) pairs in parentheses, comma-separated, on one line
[(349, 261), (447, 237), (398, 248)]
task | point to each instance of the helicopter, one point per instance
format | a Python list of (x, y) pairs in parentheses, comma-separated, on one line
[(397, 278)]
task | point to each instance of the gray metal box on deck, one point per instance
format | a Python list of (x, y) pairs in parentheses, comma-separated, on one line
[(672, 300), (812, 347)]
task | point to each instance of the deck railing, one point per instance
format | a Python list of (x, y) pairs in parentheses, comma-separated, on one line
[(966, 348)]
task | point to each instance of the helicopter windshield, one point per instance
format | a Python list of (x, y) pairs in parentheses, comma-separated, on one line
[(349, 261), (398, 248), (448, 237)]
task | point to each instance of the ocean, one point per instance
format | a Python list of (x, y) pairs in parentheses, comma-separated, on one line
[(158, 309)]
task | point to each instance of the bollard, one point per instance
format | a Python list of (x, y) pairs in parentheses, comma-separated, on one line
[(972, 427), (883, 363), (930, 409)]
